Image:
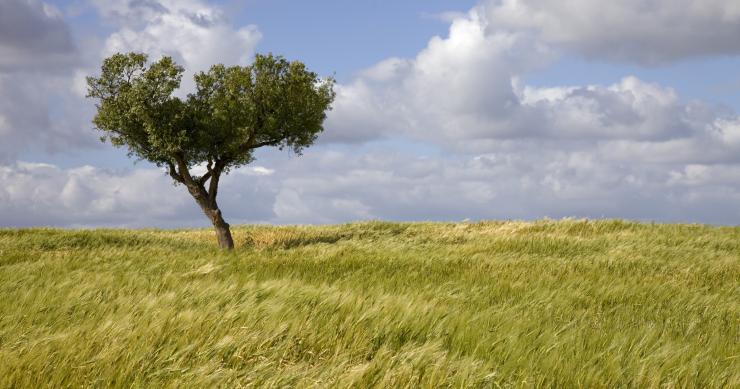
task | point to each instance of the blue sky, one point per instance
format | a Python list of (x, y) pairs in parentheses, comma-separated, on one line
[(713, 79), (446, 110), (330, 36), (345, 36), (337, 38)]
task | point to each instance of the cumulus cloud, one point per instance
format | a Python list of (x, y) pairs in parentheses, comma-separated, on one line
[(44, 194), (37, 59), (626, 149), (461, 83), (33, 35), (464, 92), (42, 114), (637, 31), (195, 34), (483, 143), (527, 181), (47, 110), (333, 186)]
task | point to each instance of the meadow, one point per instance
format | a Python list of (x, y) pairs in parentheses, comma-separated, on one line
[(570, 303)]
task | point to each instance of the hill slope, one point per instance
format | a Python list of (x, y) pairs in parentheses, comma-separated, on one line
[(568, 303)]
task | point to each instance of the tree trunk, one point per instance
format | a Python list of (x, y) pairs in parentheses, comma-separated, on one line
[(206, 199), (210, 208), (223, 233)]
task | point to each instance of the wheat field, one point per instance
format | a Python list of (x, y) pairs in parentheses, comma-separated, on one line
[(571, 303)]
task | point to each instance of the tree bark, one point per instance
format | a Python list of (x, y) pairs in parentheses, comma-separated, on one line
[(223, 233), (206, 199)]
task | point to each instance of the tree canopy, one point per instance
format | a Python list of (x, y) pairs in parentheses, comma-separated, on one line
[(233, 111)]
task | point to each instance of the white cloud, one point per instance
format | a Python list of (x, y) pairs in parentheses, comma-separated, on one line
[(461, 84), (33, 36), (499, 148), (41, 194), (259, 171), (527, 181), (628, 149), (47, 111), (464, 92), (195, 34), (37, 55), (44, 194), (645, 32), (37, 112)]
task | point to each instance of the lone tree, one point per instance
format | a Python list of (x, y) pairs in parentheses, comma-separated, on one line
[(233, 111)]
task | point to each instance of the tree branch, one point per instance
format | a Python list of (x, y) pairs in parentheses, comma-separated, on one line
[(173, 172), (213, 185), (265, 143), (183, 170), (205, 177), (209, 173), (196, 189), (250, 145)]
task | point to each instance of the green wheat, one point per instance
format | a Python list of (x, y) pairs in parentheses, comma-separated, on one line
[(493, 304)]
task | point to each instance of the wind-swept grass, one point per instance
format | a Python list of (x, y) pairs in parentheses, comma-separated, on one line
[(562, 304)]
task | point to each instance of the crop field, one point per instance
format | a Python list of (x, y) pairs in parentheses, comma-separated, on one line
[(569, 303)]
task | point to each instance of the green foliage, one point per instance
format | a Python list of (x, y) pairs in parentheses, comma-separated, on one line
[(234, 110), (490, 304)]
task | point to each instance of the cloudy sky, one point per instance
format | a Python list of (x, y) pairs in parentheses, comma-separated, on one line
[(445, 110)]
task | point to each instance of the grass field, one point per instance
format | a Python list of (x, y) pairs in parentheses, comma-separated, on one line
[(566, 304)]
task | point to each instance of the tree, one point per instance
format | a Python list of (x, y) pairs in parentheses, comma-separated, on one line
[(233, 111)]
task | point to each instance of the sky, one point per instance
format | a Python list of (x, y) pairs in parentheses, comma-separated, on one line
[(445, 110)]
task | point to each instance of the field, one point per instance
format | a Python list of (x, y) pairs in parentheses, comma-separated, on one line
[(493, 304)]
